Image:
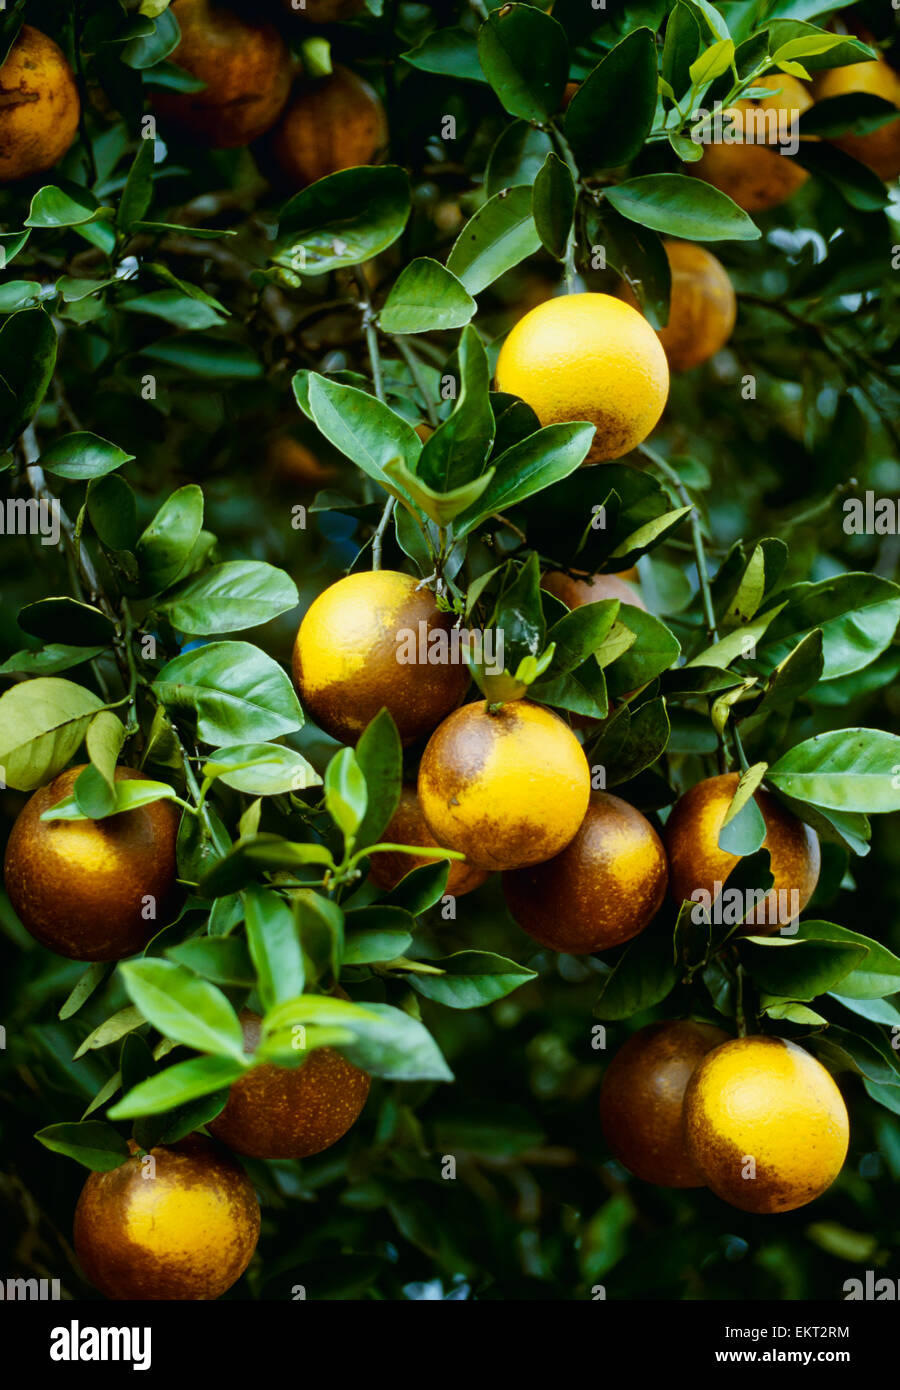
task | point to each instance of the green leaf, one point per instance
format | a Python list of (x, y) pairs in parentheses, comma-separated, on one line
[(262, 769), (64, 207), (42, 723), (712, 63), (425, 298), (456, 453), (471, 979), (83, 456), (682, 44), (368, 432), (855, 770), (579, 633), (321, 925), (184, 1008), (138, 191), (516, 157), (682, 207), (799, 969), (655, 650), (876, 975), (857, 614), (181, 310), (611, 113), (395, 1046), (346, 795), (245, 860), (93, 976), (27, 361), (55, 618), (643, 976), (542, 458), (343, 220), (794, 675), (235, 691), (177, 1085), (744, 828), (500, 235), (373, 946), (451, 52), (636, 253), (224, 959), (274, 946), (46, 662), (635, 745), (111, 1030), (525, 57), (92, 1143), (230, 597), (553, 205), (379, 755), (163, 549)]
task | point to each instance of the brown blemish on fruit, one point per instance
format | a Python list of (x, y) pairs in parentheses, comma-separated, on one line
[(284, 1112), (39, 106)]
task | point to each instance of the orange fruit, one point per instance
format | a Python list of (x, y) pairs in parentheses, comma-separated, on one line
[(83, 887), (695, 861), (765, 1124), (331, 123), (588, 357), (604, 888), (505, 788), (290, 1112), (184, 1227), (348, 657), (880, 149), (245, 65), (574, 589), (39, 106), (702, 309), (642, 1098), (407, 827), (756, 177), (293, 463)]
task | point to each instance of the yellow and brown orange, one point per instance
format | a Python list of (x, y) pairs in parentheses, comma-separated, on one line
[(765, 1123), (39, 106), (407, 827), (642, 1099), (331, 123), (505, 787), (92, 889), (290, 1112), (179, 1223), (753, 172), (604, 888), (245, 66), (879, 149), (697, 863), (702, 308), (348, 664)]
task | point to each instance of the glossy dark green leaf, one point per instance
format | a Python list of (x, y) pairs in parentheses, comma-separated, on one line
[(27, 360), (92, 1143), (500, 235), (424, 298), (235, 691), (344, 219), (611, 114), (553, 205), (682, 207), (525, 57)]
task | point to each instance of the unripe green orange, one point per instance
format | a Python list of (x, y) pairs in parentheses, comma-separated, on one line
[(181, 1223), (290, 1112), (348, 657), (643, 1095), (92, 889)]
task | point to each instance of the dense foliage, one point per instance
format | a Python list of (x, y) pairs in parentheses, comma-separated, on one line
[(219, 379)]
